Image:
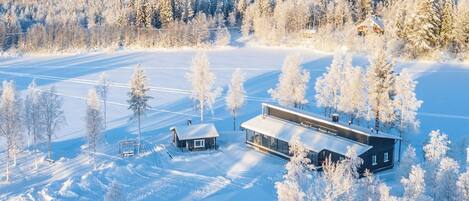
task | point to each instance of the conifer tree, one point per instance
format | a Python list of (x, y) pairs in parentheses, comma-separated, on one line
[(138, 98), (380, 81)]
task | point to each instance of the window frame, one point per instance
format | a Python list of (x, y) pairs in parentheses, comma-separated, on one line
[(386, 156), (374, 160), (202, 141)]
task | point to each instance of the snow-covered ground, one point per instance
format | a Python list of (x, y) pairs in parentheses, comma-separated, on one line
[(235, 171)]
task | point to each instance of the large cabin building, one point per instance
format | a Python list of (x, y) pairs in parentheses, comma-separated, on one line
[(275, 127)]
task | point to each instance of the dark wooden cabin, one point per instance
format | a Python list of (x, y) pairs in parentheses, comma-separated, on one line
[(195, 137), (274, 128)]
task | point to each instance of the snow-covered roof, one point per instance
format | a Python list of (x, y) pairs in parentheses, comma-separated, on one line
[(196, 131), (320, 118), (312, 139), (373, 21)]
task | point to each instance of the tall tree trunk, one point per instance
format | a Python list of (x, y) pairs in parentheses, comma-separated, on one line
[(49, 146), (234, 120), (8, 169), (139, 133), (377, 121), (201, 111), (105, 119)]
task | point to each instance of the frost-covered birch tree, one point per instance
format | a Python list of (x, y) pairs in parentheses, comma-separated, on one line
[(380, 82), (408, 159), (446, 178), (10, 123), (463, 186), (202, 81), (435, 150), (103, 89), (222, 36), (327, 86), (138, 98), (292, 188), (94, 122), (292, 83), (32, 112), (235, 98), (52, 115), (32, 116), (414, 185), (406, 104), (352, 97)]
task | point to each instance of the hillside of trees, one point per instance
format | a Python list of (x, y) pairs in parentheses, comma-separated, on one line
[(413, 28)]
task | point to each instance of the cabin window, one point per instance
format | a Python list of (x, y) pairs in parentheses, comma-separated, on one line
[(373, 160), (199, 143), (386, 156), (341, 158)]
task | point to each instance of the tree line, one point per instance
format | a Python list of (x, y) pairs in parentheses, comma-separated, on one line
[(412, 29)]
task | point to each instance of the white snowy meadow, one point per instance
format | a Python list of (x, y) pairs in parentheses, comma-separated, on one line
[(234, 171)]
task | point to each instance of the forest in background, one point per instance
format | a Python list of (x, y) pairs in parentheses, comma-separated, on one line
[(413, 28)]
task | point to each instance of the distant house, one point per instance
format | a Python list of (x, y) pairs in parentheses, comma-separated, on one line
[(372, 24), (273, 130), (195, 137)]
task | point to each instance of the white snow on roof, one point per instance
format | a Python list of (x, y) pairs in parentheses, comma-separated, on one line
[(196, 131), (312, 139), (372, 21), (353, 128)]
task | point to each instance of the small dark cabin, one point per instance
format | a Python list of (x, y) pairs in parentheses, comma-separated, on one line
[(273, 130), (195, 137)]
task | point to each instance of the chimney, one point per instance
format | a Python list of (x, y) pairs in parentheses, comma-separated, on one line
[(335, 117)]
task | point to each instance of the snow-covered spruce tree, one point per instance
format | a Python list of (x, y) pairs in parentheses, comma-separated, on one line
[(292, 83), (52, 115), (114, 193), (94, 122), (292, 188), (102, 89), (166, 11), (380, 81), (10, 123), (140, 14), (435, 150), (414, 185), (463, 186), (406, 105), (223, 36), (138, 98), (446, 178), (352, 98), (32, 116), (461, 27), (447, 23), (408, 159), (202, 81), (424, 34), (327, 86), (235, 98)]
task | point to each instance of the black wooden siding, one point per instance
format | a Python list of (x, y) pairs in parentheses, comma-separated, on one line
[(380, 145), (210, 143)]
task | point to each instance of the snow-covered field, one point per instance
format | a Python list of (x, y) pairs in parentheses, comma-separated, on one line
[(235, 171)]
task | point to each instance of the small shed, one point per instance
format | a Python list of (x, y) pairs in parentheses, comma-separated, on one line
[(195, 137), (372, 24)]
